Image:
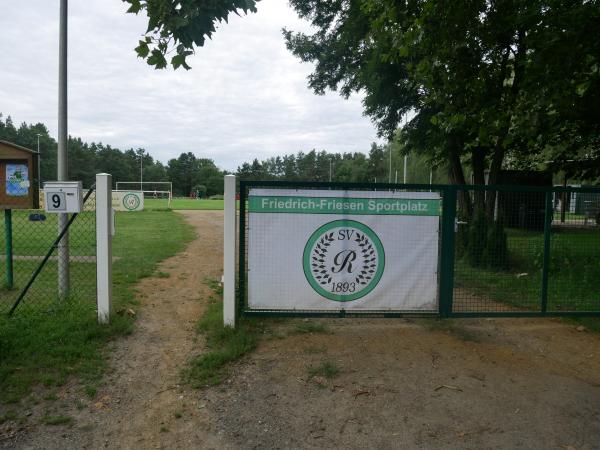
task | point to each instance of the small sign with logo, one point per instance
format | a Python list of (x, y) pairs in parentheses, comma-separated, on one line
[(128, 200), (351, 250)]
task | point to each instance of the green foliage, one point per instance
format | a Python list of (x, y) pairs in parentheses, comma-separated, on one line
[(179, 26), (485, 80), (224, 345), (187, 172)]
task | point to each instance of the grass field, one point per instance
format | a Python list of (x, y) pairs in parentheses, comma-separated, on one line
[(184, 203), (47, 341)]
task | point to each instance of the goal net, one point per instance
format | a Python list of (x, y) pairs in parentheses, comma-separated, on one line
[(157, 194)]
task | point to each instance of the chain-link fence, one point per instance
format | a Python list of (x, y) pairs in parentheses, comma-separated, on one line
[(527, 250), (27, 240), (501, 250)]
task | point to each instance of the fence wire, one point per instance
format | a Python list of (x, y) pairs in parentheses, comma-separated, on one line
[(33, 235), (530, 251), (515, 250)]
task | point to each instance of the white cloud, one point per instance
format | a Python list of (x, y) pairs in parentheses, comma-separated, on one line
[(245, 97)]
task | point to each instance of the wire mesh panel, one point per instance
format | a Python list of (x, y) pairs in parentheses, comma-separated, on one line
[(32, 236), (339, 249), (499, 251), (574, 253)]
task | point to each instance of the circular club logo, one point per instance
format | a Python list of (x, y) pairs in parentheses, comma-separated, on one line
[(131, 201), (343, 260)]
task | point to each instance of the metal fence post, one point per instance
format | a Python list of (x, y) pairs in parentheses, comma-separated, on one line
[(104, 218), (548, 213), (446, 281), (8, 238), (229, 229), (242, 248)]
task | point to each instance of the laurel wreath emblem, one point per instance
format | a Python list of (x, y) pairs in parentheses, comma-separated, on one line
[(369, 259)]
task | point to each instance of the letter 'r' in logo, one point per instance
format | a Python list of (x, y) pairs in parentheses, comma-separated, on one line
[(343, 260)]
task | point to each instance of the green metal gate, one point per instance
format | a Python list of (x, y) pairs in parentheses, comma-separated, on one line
[(504, 251)]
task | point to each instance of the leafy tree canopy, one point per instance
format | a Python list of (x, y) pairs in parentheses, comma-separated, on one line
[(177, 26)]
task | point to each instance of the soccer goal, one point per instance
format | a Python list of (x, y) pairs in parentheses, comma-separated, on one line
[(156, 193)]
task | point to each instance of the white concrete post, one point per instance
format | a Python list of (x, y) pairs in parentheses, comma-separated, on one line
[(229, 231), (104, 226)]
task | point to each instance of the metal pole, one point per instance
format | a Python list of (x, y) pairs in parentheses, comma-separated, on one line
[(9, 247), (405, 168), (141, 171), (390, 171), (62, 166), (39, 164), (548, 213), (430, 176), (563, 201)]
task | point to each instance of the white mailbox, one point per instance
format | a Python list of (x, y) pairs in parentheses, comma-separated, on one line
[(63, 196)]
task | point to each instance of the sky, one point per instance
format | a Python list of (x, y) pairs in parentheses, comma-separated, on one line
[(246, 96)]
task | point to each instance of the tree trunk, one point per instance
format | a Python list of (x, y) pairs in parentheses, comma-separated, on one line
[(457, 176), (478, 164), (499, 148), (494, 178)]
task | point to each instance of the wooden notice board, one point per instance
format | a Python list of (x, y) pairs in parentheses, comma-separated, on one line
[(18, 177)]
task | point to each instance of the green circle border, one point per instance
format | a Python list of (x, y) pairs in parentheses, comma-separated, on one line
[(132, 195), (335, 224)]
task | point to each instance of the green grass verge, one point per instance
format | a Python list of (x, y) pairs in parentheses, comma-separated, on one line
[(184, 203), (56, 420), (47, 346), (309, 327), (224, 345), (326, 369)]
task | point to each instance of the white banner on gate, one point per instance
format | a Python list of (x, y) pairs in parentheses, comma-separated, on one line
[(337, 249)]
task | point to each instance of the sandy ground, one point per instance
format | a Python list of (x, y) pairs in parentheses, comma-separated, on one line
[(478, 384)]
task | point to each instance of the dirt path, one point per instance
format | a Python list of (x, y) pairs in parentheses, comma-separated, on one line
[(394, 384), (141, 405)]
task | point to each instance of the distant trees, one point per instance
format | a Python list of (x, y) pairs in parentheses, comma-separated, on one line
[(188, 171), (345, 167), (85, 160)]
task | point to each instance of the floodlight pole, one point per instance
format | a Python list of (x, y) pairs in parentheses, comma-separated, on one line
[(405, 168), (390, 171), (62, 166), (39, 164), (142, 171)]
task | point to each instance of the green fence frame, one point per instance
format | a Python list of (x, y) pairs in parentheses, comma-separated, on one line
[(449, 195)]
